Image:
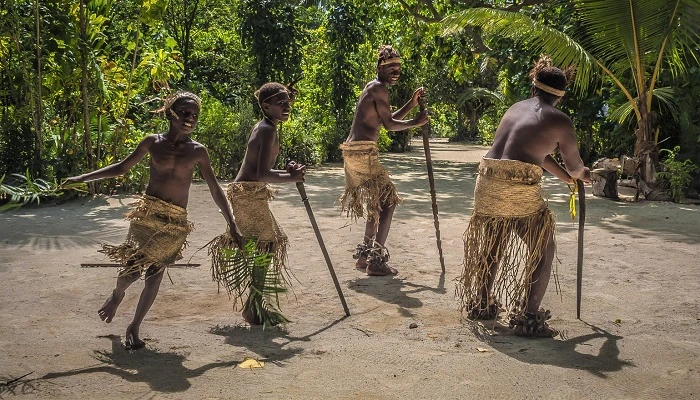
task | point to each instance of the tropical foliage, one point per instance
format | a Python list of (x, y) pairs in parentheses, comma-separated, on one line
[(629, 42), (79, 77)]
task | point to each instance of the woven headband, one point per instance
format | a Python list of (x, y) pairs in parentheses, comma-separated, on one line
[(391, 60), (170, 100), (273, 95), (548, 89)]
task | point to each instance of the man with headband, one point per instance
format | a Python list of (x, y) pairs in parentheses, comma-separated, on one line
[(249, 195), (159, 227), (509, 243), (368, 190)]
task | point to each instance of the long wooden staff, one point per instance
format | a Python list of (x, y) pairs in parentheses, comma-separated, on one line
[(305, 200), (579, 261), (425, 130)]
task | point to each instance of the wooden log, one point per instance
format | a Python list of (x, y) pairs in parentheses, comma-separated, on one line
[(605, 182)]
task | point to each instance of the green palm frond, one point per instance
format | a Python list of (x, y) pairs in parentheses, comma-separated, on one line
[(625, 38), (249, 277), (479, 93), (26, 190), (563, 49), (623, 113)]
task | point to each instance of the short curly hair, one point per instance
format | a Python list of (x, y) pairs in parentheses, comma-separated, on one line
[(269, 90)]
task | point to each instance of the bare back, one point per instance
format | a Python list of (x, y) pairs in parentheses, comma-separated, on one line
[(531, 130), (171, 168)]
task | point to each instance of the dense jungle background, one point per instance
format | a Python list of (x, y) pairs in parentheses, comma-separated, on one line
[(78, 78)]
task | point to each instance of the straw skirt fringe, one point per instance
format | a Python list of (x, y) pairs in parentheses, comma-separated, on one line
[(367, 183), (250, 206), (510, 223), (157, 235)]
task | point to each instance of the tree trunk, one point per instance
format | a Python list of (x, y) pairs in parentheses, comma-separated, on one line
[(87, 140), (647, 152), (37, 165)]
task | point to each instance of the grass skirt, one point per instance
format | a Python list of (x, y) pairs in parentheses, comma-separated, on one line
[(250, 206), (367, 183), (510, 222), (157, 235)]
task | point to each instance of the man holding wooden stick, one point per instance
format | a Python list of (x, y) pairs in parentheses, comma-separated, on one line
[(509, 243), (368, 188)]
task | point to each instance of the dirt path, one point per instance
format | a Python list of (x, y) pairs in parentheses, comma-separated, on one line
[(638, 338)]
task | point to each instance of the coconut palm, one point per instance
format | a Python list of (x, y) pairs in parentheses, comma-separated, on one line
[(630, 41)]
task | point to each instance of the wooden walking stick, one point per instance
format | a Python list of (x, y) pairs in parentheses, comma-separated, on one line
[(579, 260), (425, 130), (305, 200)]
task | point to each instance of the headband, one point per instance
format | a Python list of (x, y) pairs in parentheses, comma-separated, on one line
[(548, 89), (391, 60), (273, 95), (171, 99)]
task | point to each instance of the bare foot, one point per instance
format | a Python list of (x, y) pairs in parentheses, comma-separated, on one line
[(131, 339), (381, 270), (109, 308)]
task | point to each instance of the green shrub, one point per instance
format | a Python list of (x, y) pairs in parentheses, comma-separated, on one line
[(678, 174)]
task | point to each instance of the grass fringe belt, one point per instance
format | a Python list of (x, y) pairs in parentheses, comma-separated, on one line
[(157, 235), (511, 223), (367, 183), (250, 206)]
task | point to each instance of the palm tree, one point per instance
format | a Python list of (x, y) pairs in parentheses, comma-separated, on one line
[(630, 41)]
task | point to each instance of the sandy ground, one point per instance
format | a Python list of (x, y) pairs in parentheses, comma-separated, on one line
[(638, 337)]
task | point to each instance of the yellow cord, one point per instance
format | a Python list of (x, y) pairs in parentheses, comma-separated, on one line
[(572, 199)]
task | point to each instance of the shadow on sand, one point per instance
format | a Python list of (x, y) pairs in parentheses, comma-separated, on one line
[(396, 291), (272, 344), (560, 353), (162, 371)]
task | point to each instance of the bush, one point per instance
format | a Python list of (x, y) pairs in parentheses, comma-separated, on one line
[(678, 174)]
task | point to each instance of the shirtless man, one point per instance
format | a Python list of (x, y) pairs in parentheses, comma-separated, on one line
[(173, 158), (249, 196), (365, 180), (508, 206)]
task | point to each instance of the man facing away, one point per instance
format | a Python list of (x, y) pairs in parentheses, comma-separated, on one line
[(509, 243), (368, 188)]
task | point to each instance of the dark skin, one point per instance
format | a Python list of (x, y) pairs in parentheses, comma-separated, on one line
[(261, 156), (264, 147), (530, 131), (173, 158), (371, 113)]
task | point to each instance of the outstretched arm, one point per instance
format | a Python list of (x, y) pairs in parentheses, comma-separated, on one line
[(119, 168), (218, 195), (381, 101)]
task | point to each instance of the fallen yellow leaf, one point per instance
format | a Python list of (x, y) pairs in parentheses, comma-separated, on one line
[(249, 362)]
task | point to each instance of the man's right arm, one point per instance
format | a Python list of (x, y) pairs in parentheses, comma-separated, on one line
[(266, 140), (119, 168), (569, 151), (380, 95)]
